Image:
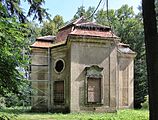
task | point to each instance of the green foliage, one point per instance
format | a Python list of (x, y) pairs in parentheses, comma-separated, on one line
[(101, 17), (80, 12), (48, 28), (58, 21), (145, 104), (8, 117), (52, 27), (12, 43), (2, 102), (120, 115), (13, 100), (12, 8), (34, 31), (83, 12)]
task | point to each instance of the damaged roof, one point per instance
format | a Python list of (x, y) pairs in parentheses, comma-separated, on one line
[(46, 38), (92, 33), (124, 48), (44, 41), (80, 27)]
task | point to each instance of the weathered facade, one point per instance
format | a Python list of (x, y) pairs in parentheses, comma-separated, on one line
[(83, 68)]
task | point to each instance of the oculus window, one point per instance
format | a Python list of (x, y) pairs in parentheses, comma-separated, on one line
[(59, 65)]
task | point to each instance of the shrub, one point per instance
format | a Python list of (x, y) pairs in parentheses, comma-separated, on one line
[(145, 104), (2, 102), (13, 100)]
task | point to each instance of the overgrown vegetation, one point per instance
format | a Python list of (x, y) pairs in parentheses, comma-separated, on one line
[(8, 117), (14, 43), (145, 104), (120, 115)]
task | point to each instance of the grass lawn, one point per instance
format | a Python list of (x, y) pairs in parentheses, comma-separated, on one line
[(120, 115)]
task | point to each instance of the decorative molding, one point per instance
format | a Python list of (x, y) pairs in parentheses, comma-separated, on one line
[(94, 71)]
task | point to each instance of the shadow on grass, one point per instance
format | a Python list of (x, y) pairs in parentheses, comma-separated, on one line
[(15, 110), (21, 110)]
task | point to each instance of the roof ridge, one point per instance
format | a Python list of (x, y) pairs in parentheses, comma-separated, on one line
[(74, 22)]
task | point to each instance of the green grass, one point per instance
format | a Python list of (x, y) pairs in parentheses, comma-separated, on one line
[(120, 115)]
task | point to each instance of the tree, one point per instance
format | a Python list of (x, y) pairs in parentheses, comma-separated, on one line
[(14, 43), (34, 31), (12, 8), (58, 21), (51, 27), (86, 13), (151, 43)]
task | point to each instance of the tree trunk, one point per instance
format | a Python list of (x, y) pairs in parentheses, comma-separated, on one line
[(151, 43)]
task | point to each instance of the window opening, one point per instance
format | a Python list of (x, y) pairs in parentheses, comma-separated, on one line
[(94, 90), (59, 92), (59, 66)]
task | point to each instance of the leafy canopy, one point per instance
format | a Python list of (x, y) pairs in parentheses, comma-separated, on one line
[(14, 43), (12, 8)]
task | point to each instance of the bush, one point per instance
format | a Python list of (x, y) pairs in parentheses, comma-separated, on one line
[(145, 104), (13, 100), (8, 117), (2, 102), (19, 99)]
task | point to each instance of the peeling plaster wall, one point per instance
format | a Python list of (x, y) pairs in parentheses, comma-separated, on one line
[(58, 53), (116, 83), (126, 82), (84, 55), (39, 72)]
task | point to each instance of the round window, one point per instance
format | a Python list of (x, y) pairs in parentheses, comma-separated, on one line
[(59, 66)]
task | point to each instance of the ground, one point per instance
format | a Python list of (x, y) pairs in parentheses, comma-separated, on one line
[(19, 114)]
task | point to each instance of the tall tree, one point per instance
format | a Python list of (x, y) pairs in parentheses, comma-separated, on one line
[(151, 43), (58, 21), (13, 43), (51, 27), (83, 12), (101, 17), (34, 31)]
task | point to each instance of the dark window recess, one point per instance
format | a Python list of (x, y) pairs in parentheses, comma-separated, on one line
[(59, 66), (59, 92), (94, 90)]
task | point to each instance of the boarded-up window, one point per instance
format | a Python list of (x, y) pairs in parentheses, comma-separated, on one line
[(58, 92), (94, 90), (42, 85)]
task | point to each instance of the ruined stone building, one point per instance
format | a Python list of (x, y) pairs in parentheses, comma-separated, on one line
[(85, 67)]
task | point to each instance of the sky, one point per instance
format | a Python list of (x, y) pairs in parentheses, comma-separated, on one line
[(68, 8)]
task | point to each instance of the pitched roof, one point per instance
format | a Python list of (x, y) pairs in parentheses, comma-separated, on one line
[(80, 32), (41, 44), (46, 38), (92, 26), (74, 22), (79, 27), (44, 41)]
